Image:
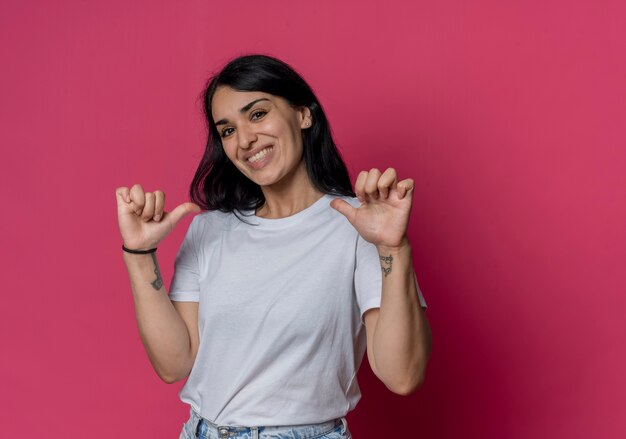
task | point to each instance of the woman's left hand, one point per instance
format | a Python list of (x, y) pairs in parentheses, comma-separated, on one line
[(383, 216)]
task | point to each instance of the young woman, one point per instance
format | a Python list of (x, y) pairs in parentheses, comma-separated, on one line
[(285, 278)]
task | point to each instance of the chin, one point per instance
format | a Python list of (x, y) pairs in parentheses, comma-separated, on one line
[(263, 180)]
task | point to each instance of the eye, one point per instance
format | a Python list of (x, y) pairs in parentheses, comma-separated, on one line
[(226, 132), (258, 114)]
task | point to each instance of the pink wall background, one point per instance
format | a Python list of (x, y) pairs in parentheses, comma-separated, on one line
[(510, 116)]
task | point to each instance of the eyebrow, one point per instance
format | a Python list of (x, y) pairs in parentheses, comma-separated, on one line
[(242, 110)]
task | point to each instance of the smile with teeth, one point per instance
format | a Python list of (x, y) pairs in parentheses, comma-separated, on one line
[(259, 155)]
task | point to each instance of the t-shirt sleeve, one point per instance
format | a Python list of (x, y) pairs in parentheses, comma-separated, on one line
[(185, 285), (368, 277)]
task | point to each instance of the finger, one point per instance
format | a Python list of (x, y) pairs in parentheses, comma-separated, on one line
[(180, 212), (137, 198), (359, 186), (148, 208), (388, 180), (344, 208), (404, 187), (124, 193), (123, 207), (159, 204), (371, 185)]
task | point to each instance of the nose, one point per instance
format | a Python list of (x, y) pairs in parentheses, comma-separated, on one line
[(246, 137)]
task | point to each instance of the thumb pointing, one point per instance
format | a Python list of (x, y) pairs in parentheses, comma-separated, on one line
[(181, 211), (344, 208)]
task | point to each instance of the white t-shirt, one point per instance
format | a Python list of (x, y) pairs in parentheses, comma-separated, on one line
[(280, 314)]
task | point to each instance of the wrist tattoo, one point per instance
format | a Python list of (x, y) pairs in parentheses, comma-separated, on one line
[(157, 284), (386, 262)]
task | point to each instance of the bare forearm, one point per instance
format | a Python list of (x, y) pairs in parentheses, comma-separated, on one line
[(402, 336), (162, 330)]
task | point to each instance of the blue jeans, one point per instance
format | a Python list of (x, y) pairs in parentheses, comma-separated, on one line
[(199, 428)]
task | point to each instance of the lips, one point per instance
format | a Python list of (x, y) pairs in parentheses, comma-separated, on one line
[(261, 158), (259, 155), (254, 152)]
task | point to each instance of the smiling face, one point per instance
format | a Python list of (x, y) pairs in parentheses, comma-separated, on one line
[(261, 135)]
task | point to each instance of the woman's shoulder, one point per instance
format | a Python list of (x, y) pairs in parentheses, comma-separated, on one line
[(212, 221), (337, 218)]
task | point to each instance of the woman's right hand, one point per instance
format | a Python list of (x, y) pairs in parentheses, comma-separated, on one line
[(142, 219)]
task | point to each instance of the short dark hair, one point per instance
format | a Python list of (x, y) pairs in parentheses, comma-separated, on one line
[(218, 184)]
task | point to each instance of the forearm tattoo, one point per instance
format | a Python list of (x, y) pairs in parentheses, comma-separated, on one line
[(385, 264), (157, 284)]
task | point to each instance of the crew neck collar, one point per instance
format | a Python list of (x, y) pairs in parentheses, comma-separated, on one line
[(298, 217)]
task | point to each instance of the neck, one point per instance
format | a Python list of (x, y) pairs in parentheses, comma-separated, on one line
[(288, 199)]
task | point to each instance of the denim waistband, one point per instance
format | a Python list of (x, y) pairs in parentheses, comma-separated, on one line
[(205, 429)]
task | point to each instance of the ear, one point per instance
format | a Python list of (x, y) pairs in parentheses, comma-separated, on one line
[(306, 119)]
